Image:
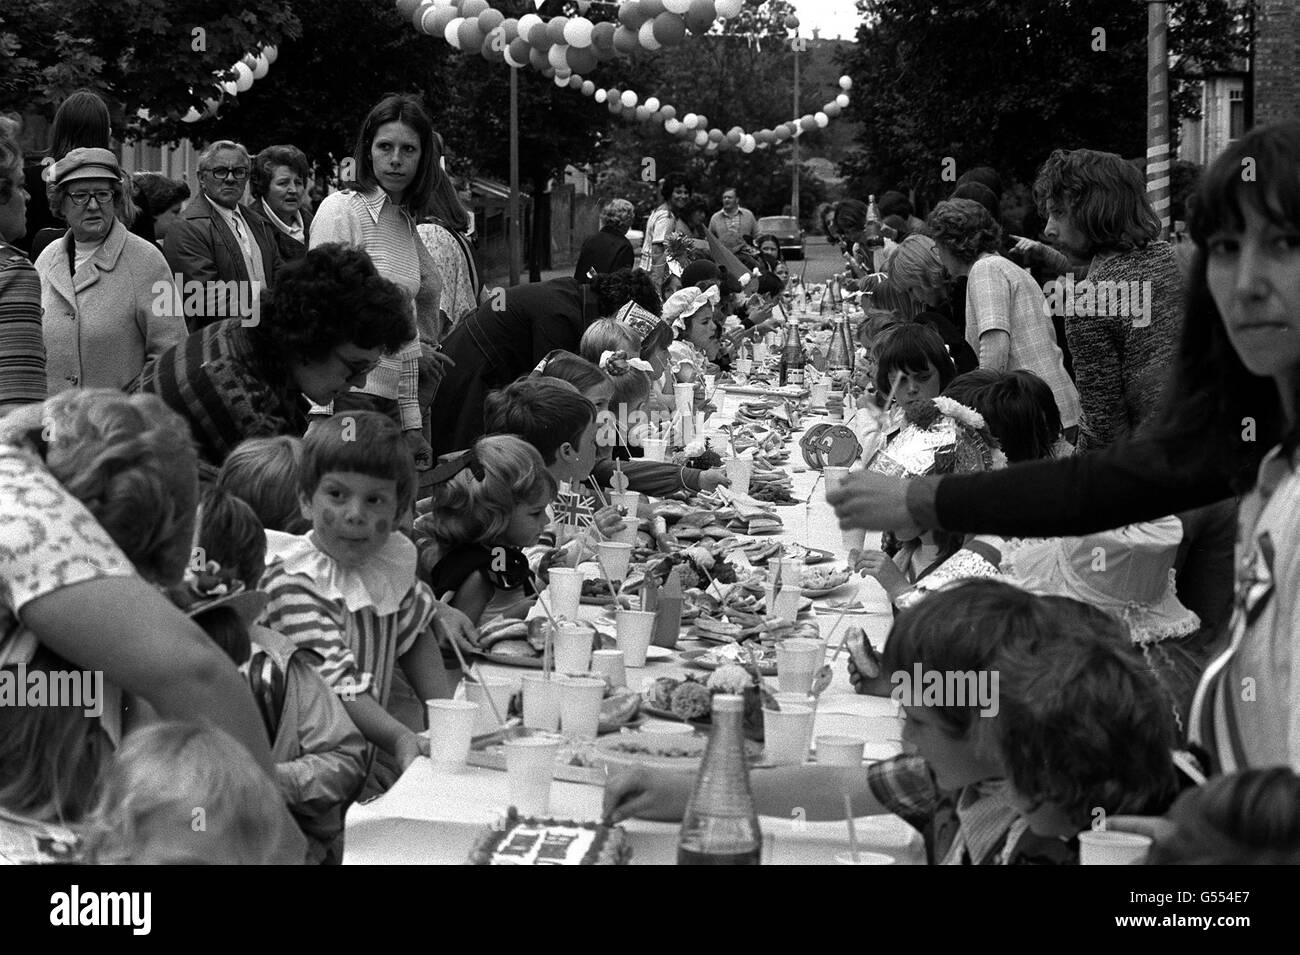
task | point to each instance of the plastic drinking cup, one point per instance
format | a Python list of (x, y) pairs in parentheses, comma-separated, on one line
[(797, 660), (573, 648), (530, 765), (451, 727), (635, 630), (580, 706), (609, 664), (541, 702), (1107, 847), (786, 733)]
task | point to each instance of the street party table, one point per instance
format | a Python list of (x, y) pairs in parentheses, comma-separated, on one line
[(434, 815)]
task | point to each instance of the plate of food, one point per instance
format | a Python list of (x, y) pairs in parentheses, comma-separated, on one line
[(519, 643), (820, 582), (714, 659), (672, 751)]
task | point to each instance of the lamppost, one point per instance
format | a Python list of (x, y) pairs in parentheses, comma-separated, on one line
[(797, 44)]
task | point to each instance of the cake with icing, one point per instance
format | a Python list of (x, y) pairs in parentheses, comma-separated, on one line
[(526, 840)]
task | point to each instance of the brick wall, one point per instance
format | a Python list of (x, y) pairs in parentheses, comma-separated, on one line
[(1277, 61)]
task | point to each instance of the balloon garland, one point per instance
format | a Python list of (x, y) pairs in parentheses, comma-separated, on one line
[(565, 48), (253, 66)]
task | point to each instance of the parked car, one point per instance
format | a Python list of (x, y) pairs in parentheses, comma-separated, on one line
[(787, 232)]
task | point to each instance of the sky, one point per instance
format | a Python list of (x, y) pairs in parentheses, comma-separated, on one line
[(834, 17)]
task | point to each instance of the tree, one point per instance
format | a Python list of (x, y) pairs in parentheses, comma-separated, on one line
[(951, 84)]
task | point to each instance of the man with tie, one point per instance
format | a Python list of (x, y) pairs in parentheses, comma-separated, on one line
[(234, 256)]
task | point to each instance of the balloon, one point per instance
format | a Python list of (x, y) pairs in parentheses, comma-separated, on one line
[(229, 86), (677, 6), (630, 15), (701, 121), (727, 8), (588, 87), (807, 122), (629, 98), (516, 53), (841, 101), (555, 29), (249, 60), (260, 66), (538, 59), (470, 9), (451, 33), (602, 37), (272, 53), (689, 120), (782, 133), (511, 27), (493, 47), (792, 22), (642, 114), (701, 137), (669, 29), (832, 110), (700, 16), (822, 120), (615, 106), (434, 20), (748, 144), (670, 112), (560, 80), (582, 59), (575, 82), (243, 77), (600, 96), (577, 32), (192, 116), (470, 37), (407, 8), (672, 126), (646, 36), (652, 8), (846, 83), (527, 22), (715, 135), (734, 137), (625, 40), (557, 58), (489, 20), (539, 38)]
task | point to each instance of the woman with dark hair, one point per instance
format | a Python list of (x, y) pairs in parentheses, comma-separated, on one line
[(329, 320), (162, 198), (1234, 395), (511, 332), (396, 172), (1006, 320), (278, 182), (665, 220), (442, 229)]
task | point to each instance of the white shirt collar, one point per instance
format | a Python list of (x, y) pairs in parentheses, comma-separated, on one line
[(294, 228)]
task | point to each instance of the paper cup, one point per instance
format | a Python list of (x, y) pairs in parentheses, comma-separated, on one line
[(565, 590), (760, 351), (818, 392), (635, 630), (530, 764), (833, 475), (580, 706), (864, 858), (739, 469), (840, 750), (785, 604), (609, 664), (573, 648), (744, 367), (1107, 847), (654, 448), (627, 535), (626, 501), (797, 660), (615, 557), (500, 690), (685, 395), (541, 703), (710, 385), (451, 727), (786, 733), (854, 539)]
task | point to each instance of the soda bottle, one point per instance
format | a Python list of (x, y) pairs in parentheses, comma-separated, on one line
[(792, 356), (872, 238), (721, 825), (839, 356)]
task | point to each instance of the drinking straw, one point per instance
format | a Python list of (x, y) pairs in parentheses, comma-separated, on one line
[(853, 831), (600, 495), (469, 675)]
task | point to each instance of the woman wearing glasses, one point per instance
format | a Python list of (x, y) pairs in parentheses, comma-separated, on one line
[(100, 283)]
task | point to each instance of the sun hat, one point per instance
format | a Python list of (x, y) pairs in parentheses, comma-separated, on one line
[(1128, 572), (684, 303), (84, 162)]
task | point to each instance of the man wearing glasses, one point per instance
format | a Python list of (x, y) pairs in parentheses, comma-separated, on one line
[(233, 255)]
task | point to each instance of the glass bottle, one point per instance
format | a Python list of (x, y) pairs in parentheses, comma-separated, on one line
[(792, 356), (839, 356), (721, 825)]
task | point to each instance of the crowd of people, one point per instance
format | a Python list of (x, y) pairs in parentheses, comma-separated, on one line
[(261, 457)]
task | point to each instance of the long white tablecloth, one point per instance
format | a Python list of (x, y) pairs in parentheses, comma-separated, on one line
[(433, 816)]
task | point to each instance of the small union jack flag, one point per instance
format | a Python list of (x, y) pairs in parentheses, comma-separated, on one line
[(572, 510)]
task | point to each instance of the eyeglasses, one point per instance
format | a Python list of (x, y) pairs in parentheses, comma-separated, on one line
[(102, 197), (237, 173)]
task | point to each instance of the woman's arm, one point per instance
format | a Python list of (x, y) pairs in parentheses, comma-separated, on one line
[(995, 350), (126, 629), (161, 331)]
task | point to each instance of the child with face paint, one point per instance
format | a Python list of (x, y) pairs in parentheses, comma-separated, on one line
[(347, 589), (487, 505)]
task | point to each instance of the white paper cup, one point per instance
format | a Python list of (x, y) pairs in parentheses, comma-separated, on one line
[(654, 448), (818, 392), (744, 367), (580, 698), (500, 690), (684, 392), (1107, 847), (710, 384), (785, 700), (832, 475), (565, 590), (785, 604), (615, 557), (840, 750), (635, 630), (797, 660), (530, 765), (626, 501), (609, 664), (760, 351), (720, 400), (739, 469), (854, 538), (451, 727), (541, 703), (786, 733), (864, 858), (573, 648)]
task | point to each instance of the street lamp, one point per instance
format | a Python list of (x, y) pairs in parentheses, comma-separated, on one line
[(796, 45)]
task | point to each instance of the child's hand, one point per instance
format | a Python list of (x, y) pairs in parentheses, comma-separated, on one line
[(711, 479), (450, 624), (880, 566), (420, 449), (551, 558), (609, 520), (409, 747)]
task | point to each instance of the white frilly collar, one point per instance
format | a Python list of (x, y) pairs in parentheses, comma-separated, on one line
[(382, 583)]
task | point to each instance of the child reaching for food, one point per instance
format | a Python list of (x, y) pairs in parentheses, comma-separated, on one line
[(487, 504)]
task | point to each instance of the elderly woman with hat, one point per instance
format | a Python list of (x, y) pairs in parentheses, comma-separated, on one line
[(108, 295), (608, 250)]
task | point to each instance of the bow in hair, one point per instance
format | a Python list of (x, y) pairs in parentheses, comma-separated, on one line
[(618, 363), (449, 467)]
